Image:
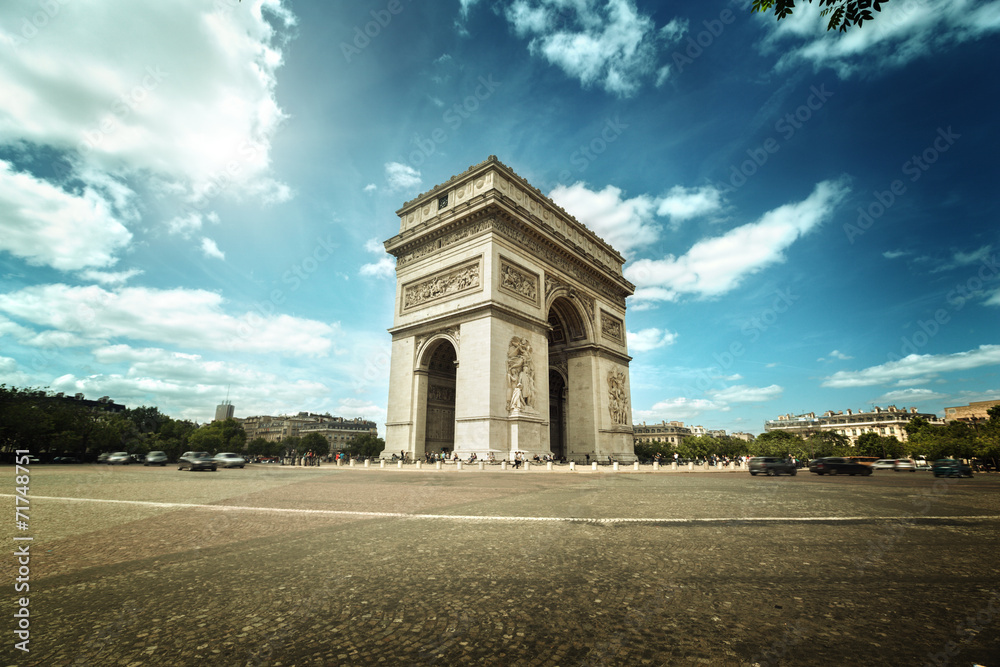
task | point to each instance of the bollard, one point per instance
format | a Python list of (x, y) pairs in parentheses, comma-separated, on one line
[(350, 463), (572, 466), (399, 464), (503, 465), (593, 466), (548, 465), (458, 465), (691, 465), (482, 465), (614, 466), (437, 465), (673, 466), (381, 463), (368, 463), (656, 466), (527, 466), (635, 465), (340, 462), (419, 464)]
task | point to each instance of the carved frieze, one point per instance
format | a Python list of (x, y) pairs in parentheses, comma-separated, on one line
[(617, 397), (441, 394), (518, 281), (520, 375), (612, 328), (442, 285)]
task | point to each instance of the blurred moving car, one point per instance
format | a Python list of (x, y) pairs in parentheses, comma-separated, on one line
[(834, 465), (884, 464), (230, 460), (65, 459), (771, 466), (103, 457), (155, 459), (119, 458), (951, 468), (197, 461), (904, 464)]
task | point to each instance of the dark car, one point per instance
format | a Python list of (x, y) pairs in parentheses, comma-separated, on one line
[(833, 465), (197, 461), (155, 459), (951, 468), (771, 466)]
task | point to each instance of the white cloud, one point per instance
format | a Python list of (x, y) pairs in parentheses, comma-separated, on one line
[(210, 249), (680, 204), (193, 103), (994, 299), (46, 226), (193, 319), (717, 265), (916, 365), (894, 254), (909, 396), (903, 31), (960, 259), (742, 393), (678, 408), (371, 187), (609, 43), (110, 277), (7, 365), (373, 245), (401, 176), (624, 223), (383, 268), (836, 354), (649, 339)]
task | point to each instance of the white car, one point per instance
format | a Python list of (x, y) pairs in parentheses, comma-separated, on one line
[(230, 460), (119, 458), (884, 464)]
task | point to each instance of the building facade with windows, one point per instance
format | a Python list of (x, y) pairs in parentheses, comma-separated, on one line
[(338, 431), (671, 433), (973, 413), (888, 421)]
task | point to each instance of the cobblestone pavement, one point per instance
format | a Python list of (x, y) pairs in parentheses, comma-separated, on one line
[(344, 566)]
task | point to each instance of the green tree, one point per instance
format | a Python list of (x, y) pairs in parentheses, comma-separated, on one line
[(777, 443), (988, 437), (219, 436), (365, 444), (315, 443), (843, 14), (882, 446)]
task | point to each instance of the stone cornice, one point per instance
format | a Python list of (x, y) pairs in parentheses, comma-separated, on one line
[(545, 245), (492, 178)]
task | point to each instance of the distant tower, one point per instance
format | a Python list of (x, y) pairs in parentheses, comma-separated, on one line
[(225, 410)]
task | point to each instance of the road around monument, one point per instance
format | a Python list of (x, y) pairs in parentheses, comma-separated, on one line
[(295, 566)]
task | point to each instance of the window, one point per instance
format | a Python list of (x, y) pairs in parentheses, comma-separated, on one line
[(442, 202)]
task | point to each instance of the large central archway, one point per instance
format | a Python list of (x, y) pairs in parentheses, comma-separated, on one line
[(439, 433)]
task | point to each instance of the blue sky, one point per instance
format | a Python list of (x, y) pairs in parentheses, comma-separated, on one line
[(194, 195)]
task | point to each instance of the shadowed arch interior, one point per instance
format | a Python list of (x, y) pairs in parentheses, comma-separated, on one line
[(441, 371)]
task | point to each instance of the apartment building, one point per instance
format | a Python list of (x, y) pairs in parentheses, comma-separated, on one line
[(883, 421)]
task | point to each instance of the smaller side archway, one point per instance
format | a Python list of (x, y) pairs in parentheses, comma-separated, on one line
[(435, 375)]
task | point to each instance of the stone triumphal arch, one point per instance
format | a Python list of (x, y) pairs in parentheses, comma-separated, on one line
[(509, 327)]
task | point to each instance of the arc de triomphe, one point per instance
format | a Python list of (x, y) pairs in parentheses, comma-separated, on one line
[(509, 328)]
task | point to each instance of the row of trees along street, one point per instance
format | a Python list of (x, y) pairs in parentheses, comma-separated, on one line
[(930, 441), (49, 425)]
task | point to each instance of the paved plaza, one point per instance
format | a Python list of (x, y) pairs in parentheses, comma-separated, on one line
[(302, 566)]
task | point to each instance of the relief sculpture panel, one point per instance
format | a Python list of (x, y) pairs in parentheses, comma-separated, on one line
[(612, 328), (618, 398), (445, 284), (519, 282)]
